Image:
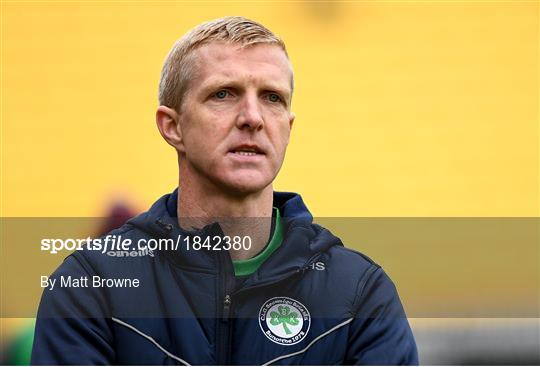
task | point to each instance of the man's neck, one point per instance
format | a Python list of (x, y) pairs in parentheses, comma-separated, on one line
[(238, 215)]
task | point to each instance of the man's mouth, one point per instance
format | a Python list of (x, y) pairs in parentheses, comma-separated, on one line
[(247, 150)]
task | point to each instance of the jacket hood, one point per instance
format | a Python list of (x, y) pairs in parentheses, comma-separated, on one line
[(303, 241)]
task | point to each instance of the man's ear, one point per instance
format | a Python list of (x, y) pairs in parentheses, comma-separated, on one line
[(291, 119), (167, 120)]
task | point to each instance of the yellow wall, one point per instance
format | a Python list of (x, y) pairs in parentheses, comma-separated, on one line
[(403, 108)]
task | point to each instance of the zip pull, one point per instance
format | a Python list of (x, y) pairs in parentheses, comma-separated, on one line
[(226, 308), (167, 226)]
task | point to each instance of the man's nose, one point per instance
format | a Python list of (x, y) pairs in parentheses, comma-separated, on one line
[(250, 114)]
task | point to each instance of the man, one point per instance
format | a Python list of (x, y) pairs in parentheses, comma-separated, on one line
[(251, 280)]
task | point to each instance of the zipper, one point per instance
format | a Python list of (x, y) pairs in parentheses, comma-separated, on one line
[(226, 308), (224, 344)]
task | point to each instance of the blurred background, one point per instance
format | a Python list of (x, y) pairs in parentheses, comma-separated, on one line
[(404, 109)]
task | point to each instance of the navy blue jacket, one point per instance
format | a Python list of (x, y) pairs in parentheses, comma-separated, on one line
[(313, 301)]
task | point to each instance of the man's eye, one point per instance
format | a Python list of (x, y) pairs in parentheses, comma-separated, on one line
[(221, 94), (273, 97)]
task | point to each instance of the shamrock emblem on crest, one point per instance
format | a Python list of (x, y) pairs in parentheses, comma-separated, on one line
[(284, 316)]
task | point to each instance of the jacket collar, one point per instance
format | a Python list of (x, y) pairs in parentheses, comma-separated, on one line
[(303, 241)]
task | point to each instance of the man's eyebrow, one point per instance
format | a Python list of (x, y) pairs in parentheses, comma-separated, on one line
[(218, 83), (284, 91)]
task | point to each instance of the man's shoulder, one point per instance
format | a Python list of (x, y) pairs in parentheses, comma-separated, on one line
[(347, 254), (118, 249), (351, 267), (343, 265), (340, 253)]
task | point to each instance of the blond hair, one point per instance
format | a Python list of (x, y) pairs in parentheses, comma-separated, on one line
[(178, 67)]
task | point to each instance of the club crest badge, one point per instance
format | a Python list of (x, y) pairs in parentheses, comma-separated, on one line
[(284, 320)]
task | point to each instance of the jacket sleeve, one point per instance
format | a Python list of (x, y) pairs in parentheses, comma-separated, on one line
[(71, 327), (380, 333)]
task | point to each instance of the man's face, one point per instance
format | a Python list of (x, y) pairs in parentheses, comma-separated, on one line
[(235, 117)]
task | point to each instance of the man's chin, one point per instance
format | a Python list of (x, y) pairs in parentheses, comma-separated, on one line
[(246, 186)]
